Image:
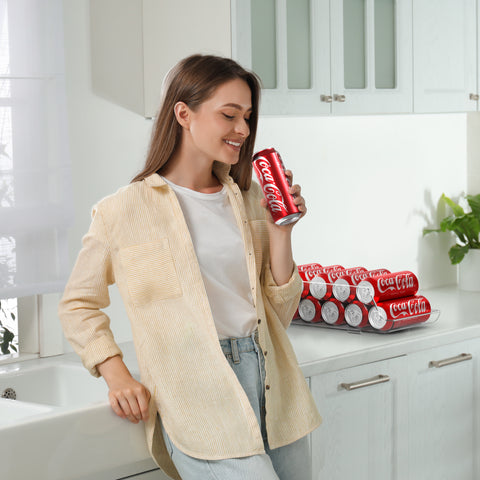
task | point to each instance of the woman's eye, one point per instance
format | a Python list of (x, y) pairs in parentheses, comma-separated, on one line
[(230, 117)]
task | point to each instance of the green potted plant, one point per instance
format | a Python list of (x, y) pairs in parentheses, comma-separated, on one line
[(466, 251)]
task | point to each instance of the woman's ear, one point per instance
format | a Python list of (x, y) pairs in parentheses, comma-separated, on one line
[(182, 114)]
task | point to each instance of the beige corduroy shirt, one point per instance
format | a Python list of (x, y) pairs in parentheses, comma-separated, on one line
[(139, 240)]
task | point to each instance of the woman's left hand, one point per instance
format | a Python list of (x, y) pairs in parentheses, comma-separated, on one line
[(299, 201), (281, 258)]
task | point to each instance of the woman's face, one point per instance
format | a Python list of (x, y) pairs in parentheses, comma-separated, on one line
[(220, 125)]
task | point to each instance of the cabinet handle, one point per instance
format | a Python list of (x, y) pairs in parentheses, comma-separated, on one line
[(339, 98), (365, 383), (326, 98), (463, 357), (474, 96)]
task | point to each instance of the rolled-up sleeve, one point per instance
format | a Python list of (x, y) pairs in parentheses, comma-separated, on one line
[(85, 325), (284, 298)]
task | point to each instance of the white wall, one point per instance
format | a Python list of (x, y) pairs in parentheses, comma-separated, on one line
[(107, 142), (371, 183)]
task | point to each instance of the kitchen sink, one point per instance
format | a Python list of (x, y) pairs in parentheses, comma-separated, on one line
[(53, 385), (56, 414), (12, 411)]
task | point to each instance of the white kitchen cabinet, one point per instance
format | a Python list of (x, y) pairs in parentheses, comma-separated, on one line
[(442, 406), (364, 418), (136, 42), (411, 417), (321, 56), (445, 55)]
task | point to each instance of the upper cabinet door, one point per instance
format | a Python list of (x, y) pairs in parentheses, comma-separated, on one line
[(321, 56), (287, 43), (445, 57), (371, 56)]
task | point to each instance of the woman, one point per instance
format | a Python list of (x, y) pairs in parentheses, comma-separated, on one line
[(209, 285)]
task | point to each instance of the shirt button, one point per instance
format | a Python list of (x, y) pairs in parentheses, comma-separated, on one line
[(267, 387), (259, 321), (265, 353)]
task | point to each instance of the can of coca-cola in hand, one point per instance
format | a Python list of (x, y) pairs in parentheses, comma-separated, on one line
[(400, 312), (270, 171), (388, 286)]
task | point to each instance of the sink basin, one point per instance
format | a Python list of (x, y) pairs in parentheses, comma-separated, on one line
[(12, 411), (55, 385), (62, 422)]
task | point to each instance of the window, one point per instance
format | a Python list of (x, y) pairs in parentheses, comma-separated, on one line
[(8, 327), (35, 183)]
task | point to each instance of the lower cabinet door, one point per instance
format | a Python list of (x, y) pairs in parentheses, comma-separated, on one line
[(442, 404), (363, 410)]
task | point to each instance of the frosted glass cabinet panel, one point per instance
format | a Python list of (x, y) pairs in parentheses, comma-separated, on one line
[(264, 32), (385, 48), (299, 44), (354, 55), (371, 56), (355, 24), (342, 56)]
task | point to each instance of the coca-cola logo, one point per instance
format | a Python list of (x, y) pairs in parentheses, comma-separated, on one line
[(335, 275), (396, 283), (272, 193), (358, 277), (408, 308), (311, 274)]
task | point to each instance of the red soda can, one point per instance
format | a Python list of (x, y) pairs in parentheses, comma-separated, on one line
[(333, 312), (343, 289), (306, 283), (331, 268), (320, 287), (358, 277), (399, 313), (308, 266), (356, 314), (351, 271), (387, 286), (270, 171), (307, 276), (310, 310)]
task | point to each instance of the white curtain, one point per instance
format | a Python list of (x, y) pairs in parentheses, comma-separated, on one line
[(35, 180)]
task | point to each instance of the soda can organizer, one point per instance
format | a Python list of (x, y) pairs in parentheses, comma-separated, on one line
[(360, 300)]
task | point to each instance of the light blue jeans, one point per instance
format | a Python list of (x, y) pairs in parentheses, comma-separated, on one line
[(291, 462)]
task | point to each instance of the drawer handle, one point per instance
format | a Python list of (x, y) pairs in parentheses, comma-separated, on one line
[(463, 357), (339, 98), (474, 96), (365, 383)]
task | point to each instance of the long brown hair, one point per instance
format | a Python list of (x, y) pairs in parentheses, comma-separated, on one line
[(192, 81)]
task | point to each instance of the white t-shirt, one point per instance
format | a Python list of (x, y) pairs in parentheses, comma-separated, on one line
[(220, 251)]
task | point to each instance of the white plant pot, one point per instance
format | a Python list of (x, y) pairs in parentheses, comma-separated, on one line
[(469, 272)]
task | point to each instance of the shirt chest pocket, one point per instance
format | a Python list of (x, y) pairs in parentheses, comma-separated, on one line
[(150, 272)]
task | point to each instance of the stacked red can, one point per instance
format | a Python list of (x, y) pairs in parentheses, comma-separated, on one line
[(359, 298)]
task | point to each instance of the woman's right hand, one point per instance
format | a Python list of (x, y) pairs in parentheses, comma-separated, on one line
[(128, 398)]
